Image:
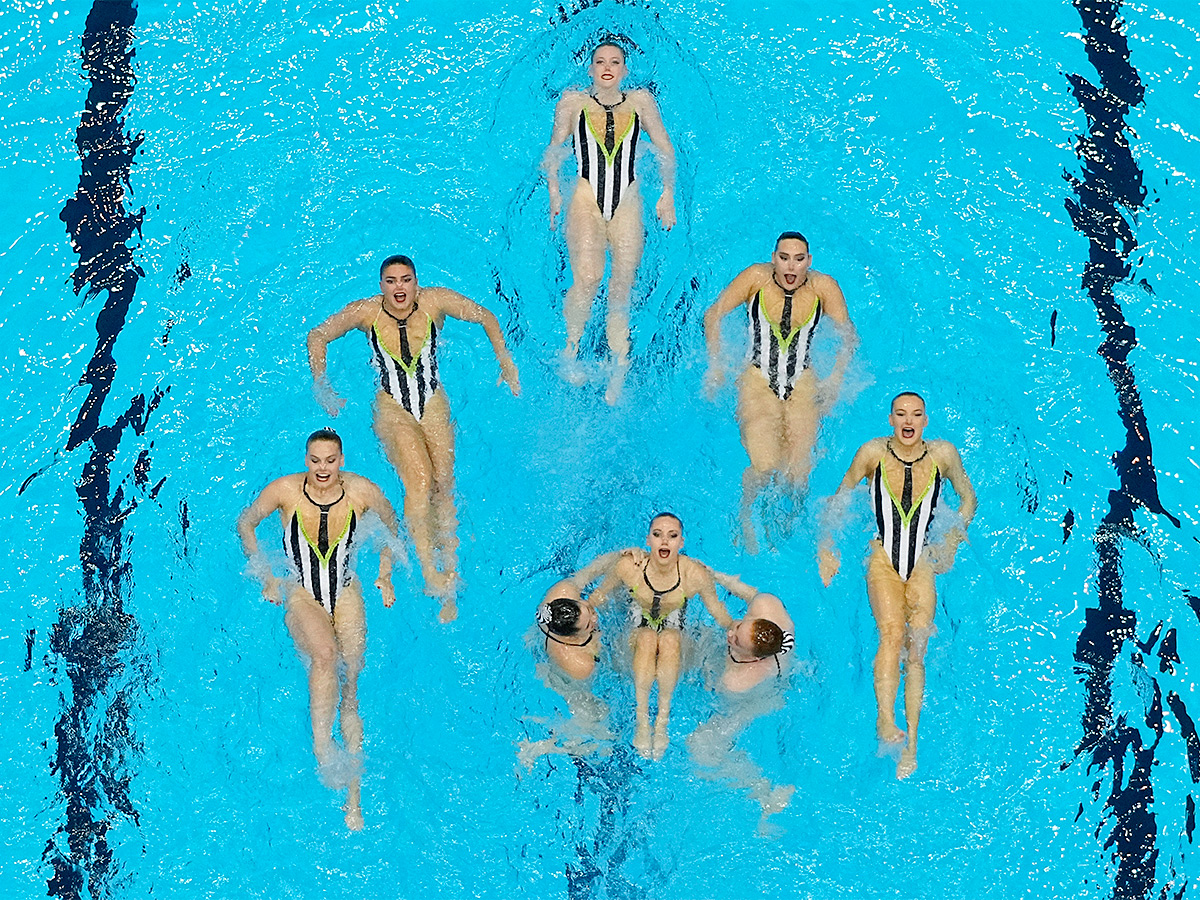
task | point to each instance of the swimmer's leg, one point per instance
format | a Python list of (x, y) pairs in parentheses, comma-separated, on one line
[(350, 627), (921, 605), (403, 441), (312, 631), (645, 662), (886, 593), (586, 246), (760, 419), (439, 440), (800, 422), (627, 239), (667, 673)]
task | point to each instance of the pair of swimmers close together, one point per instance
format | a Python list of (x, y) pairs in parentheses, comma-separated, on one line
[(779, 407)]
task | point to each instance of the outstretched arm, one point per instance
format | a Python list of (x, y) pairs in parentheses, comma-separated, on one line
[(265, 504), (651, 121), (738, 291), (377, 503), (564, 116), (735, 585), (941, 557), (708, 594), (828, 559), (601, 565), (457, 306), (340, 323), (833, 305)]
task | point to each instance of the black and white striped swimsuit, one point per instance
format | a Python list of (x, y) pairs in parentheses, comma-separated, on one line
[(321, 572), (412, 381), (778, 355), (608, 171), (902, 531)]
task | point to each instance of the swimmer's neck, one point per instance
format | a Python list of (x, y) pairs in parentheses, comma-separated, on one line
[(607, 94), (323, 492)]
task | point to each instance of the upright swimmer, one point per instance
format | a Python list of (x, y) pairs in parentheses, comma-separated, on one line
[(605, 208), (660, 585), (412, 416), (757, 643), (572, 630), (780, 403), (905, 475), (321, 511)]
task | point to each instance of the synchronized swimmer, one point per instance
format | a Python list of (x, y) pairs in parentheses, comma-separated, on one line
[(604, 211), (412, 415)]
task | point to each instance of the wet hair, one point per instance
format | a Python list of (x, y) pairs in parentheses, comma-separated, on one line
[(906, 394), (613, 44), (766, 636), (564, 616), (791, 236), (666, 515), (398, 259), (324, 434)]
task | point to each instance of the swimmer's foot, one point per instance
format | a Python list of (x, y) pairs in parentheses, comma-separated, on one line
[(661, 738), (778, 799), (749, 538), (642, 741), (616, 382), (907, 764), (888, 733), (571, 369), (449, 611), (354, 817)]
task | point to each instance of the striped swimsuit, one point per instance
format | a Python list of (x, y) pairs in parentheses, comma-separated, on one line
[(608, 171), (410, 380), (775, 354), (323, 572), (903, 531)]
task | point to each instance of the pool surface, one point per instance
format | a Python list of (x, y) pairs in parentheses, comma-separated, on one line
[(191, 187)]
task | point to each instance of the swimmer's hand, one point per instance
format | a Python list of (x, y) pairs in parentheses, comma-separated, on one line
[(637, 554), (713, 379), (828, 564), (384, 583), (665, 208), (555, 204), (326, 398), (510, 376), (940, 556), (273, 590)]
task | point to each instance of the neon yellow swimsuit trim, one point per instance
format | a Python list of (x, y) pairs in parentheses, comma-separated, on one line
[(409, 367), (906, 517), (786, 342), (608, 155), (325, 557)]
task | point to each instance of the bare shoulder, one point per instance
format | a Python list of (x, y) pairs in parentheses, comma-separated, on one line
[(945, 454), (571, 102), (627, 570), (360, 490), (822, 280), (642, 99), (695, 574)]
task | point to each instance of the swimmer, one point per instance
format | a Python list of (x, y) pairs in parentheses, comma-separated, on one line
[(605, 206), (780, 403), (660, 585), (904, 472), (756, 643), (412, 416), (572, 630), (321, 511)]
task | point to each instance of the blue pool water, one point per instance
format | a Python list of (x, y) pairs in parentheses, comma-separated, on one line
[(154, 709)]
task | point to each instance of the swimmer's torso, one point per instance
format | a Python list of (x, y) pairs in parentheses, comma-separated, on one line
[(781, 331), (904, 505), (605, 149), (318, 539), (405, 356)]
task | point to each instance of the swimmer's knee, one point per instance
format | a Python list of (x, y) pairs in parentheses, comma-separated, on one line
[(892, 636), (324, 655)]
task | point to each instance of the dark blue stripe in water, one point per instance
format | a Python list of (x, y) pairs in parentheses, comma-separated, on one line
[(95, 639), (1107, 197)]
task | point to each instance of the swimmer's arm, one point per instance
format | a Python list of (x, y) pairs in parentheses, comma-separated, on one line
[(339, 324), (828, 559), (942, 556), (565, 114), (737, 293), (459, 307), (258, 566), (378, 504), (833, 305), (612, 578), (735, 586), (601, 565), (651, 121), (708, 594)]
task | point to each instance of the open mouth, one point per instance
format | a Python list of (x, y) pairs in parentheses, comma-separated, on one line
[(322, 476), (908, 431), (790, 279), (664, 553)]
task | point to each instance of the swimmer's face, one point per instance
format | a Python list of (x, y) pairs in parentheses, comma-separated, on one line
[(791, 260), (665, 539), (608, 67), (398, 284), (908, 420), (740, 638), (324, 462), (588, 620)]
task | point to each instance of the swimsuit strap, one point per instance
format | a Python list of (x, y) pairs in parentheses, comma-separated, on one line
[(402, 326), (746, 662), (323, 528), (656, 604), (906, 495), (550, 637), (785, 320), (610, 123)]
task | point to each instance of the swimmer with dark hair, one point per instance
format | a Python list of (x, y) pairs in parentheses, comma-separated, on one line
[(905, 474), (403, 323), (604, 210), (322, 511), (572, 630), (661, 585), (780, 402)]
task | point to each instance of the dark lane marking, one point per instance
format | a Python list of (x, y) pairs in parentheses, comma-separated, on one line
[(96, 640), (1107, 197)]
